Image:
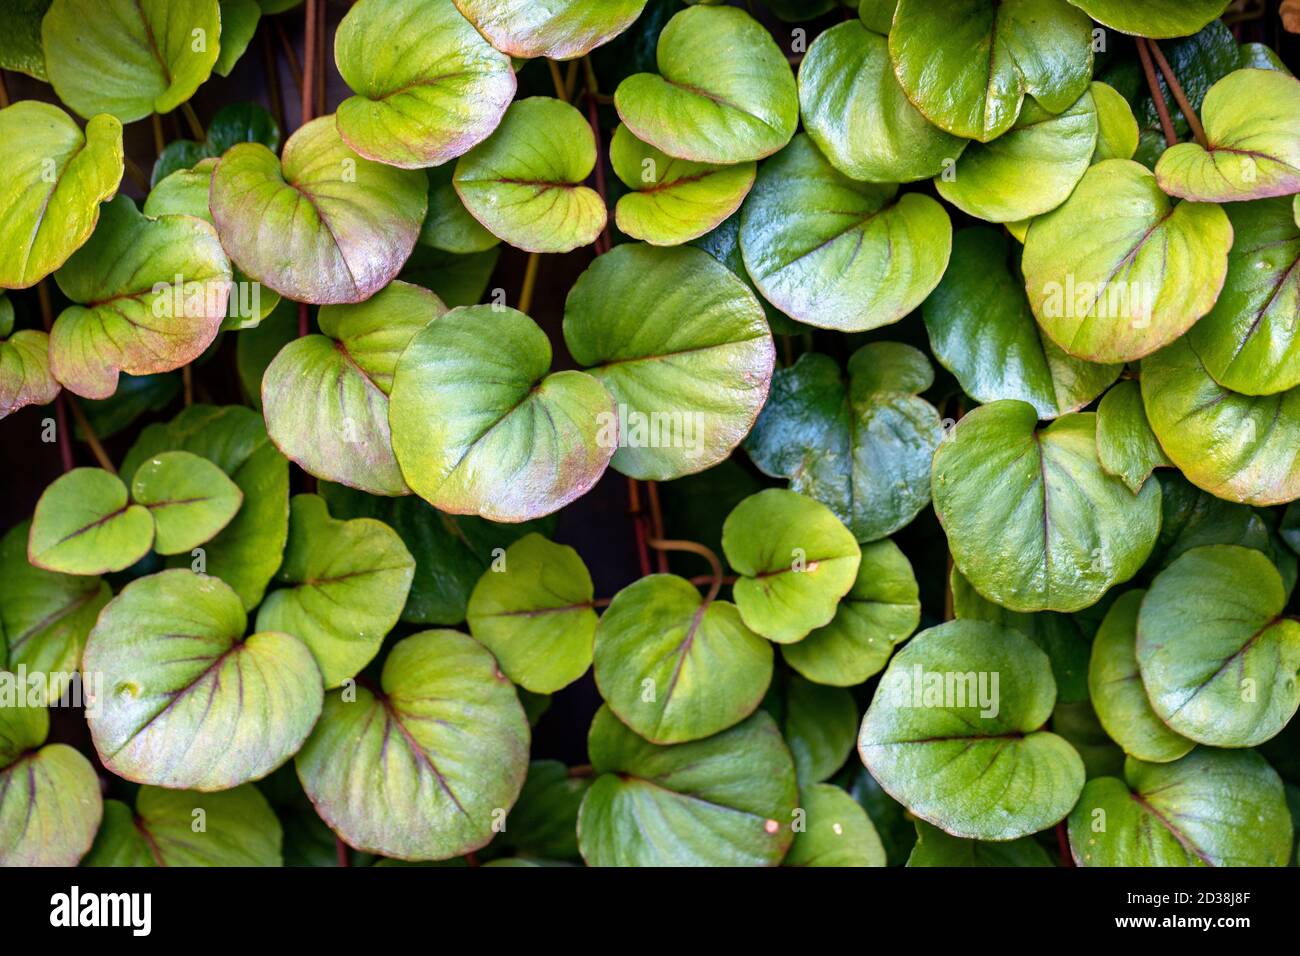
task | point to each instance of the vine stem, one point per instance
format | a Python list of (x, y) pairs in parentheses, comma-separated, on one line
[(341, 851), (136, 173), (694, 547), (558, 80), (159, 141), (62, 431), (4, 91), (1180, 97), (530, 282), (192, 118), (92, 439), (309, 63), (1063, 845), (1162, 108), (187, 382), (638, 525), (290, 56), (657, 521), (321, 29), (272, 69)]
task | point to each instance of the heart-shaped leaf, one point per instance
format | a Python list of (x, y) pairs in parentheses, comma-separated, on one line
[(727, 800), (837, 253), (149, 296), (682, 346), (881, 610), (558, 30), (1239, 447), (239, 829), (936, 848), (248, 550), (44, 616), (1211, 808), (321, 224), (674, 667), (953, 733), (1118, 270), (188, 701), (1249, 341), (1250, 120), (514, 442), (536, 614), (84, 524), (862, 443), (1153, 18), (348, 582), (50, 806), (130, 58), (56, 178), (448, 225), (524, 183), (982, 329), (836, 831), (1030, 169), (1115, 685), (424, 766), (1218, 660), (190, 498), (967, 65), (712, 109), (673, 200), (1126, 446), (25, 376), (1033, 521), (428, 86), (325, 397), (858, 115), (795, 560), (819, 724)]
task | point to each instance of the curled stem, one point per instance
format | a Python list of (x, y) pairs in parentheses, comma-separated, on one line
[(694, 547)]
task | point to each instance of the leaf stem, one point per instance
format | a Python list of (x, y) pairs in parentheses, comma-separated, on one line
[(321, 31), (530, 282), (603, 242), (1063, 845), (159, 141), (1158, 98), (309, 63), (341, 851), (136, 173), (638, 525), (1180, 96), (558, 80), (272, 69), (672, 544), (63, 433), (289, 54), (657, 521), (187, 381), (88, 433), (4, 91), (571, 78), (192, 118)]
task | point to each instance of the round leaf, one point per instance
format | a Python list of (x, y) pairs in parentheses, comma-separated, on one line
[(1117, 128), (837, 831), (1126, 446), (1118, 270), (84, 524), (674, 668), (189, 702), (836, 253), (25, 376), (682, 346), (1032, 520), (558, 30), (448, 225), (190, 498), (1153, 18), (936, 848), (819, 724), (963, 752), (513, 442), (238, 24), (421, 768), (428, 86)]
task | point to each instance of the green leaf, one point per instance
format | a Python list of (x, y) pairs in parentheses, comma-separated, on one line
[(190, 498), (819, 725), (325, 397), (1118, 694), (795, 560), (1030, 169), (524, 182), (84, 524), (558, 30), (881, 610), (962, 752), (982, 330), (1249, 341), (544, 822), (448, 225), (1238, 447), (968, 64), (248, 550), (1032, 520), (347, 583), (130, 58), (514, 442), (257, 347), (673, 200), (836, 253), (727, 800), (681, 345), (723, 244), (425, 766), (25, 376), (56, 177), (1118, 270), (1192, 518), (428, 86), (1126, 446), (1077, 722), (837, 832), (936, 848), (238, 829), (149, 295), (1253, 152), (20, 43), (233, 123), (321, 224), (238, 24), (1218, 660), (45, 616), (1211, 808), (858, 115), (135, 396), (535, 614), (1117, 128), (862, 443), (1153, 18), (710, 108), (188, 701), (675, 668)]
